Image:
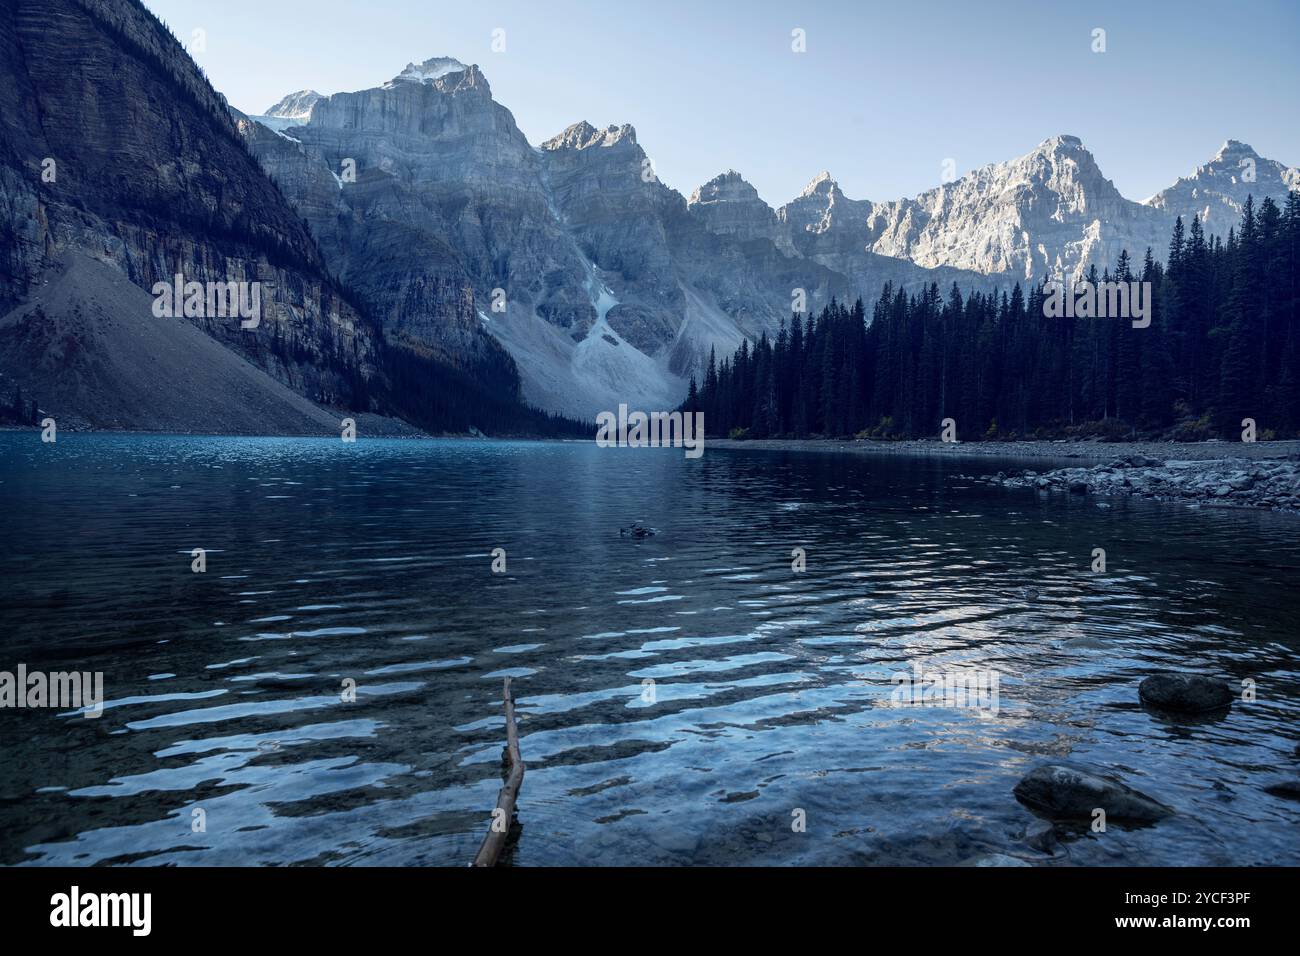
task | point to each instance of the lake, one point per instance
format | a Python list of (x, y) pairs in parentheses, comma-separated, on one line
[(686, 698)]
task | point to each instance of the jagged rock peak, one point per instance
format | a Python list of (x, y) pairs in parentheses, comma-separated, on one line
[(725, 187), (1234, 148), (583, 135), (444, 73), (1059, 163), (296, 105), (1064, 140), (1216, 191), (821, 185)]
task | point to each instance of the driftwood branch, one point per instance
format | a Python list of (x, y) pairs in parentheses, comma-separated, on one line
[(499, 829)]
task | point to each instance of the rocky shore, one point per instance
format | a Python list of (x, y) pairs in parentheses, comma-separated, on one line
[(1272, 483), (1060, 451), (1203, 474)]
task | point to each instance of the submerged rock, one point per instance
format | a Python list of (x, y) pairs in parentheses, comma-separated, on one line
[(1041, 835), (1290, 788), (1071, 793), (1085, 644), (1000, 859), (1186, 693)]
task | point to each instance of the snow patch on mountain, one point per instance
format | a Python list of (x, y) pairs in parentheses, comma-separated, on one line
[(431, 69), (291, 110), (297, 105)]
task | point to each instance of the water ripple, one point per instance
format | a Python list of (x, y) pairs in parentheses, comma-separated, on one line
[(679, 696)]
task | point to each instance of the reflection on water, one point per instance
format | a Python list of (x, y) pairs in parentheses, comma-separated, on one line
[(771, 689)]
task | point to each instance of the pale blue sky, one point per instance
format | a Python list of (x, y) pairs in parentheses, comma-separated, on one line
[(884, 93)]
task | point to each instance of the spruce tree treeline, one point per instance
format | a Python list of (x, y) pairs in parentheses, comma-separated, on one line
[(1223, 345), (18, 410)]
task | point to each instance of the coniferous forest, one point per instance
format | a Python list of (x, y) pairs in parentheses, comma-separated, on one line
[(1223, 345)]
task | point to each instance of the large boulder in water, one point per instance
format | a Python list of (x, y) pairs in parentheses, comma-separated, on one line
[(1185, 693), (1071, 793)]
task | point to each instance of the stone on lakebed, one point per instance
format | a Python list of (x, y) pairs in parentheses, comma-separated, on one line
[(1187, 693), (1072, 793)]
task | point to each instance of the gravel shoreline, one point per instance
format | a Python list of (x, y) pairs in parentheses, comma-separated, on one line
[(1210, 474), (1273, 484), (1092, 451)]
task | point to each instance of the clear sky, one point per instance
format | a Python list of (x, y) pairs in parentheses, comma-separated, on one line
[(885, 92)]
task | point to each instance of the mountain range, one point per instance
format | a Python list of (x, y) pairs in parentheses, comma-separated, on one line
[(613, 287), (420, 258)]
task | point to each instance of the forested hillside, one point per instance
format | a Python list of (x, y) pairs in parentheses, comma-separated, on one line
[(1223, 344)]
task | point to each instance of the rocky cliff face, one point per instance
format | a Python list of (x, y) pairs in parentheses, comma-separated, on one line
[(430, 307), (614, 208), (1024, 219), (825, 226), (114, 144), (1043, 213), (665, 283), (425, 200), (434, 150), (729, 206)]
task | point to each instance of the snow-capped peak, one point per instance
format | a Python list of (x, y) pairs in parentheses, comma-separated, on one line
[(1235, 149), (431, 69), (295, 106)]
